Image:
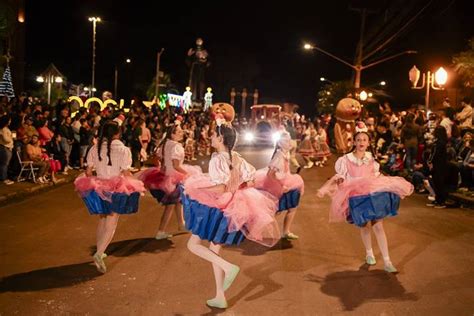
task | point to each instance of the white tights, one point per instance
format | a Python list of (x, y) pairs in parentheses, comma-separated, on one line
[(105, 231), (365, 233), (211, 254), (289, 216)]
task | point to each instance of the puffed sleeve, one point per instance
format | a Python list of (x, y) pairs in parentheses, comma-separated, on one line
[(277, 162), (92, 156), (376, 168), (177, 152), (247, 171), (126, 158), (219, 171), (341, 166)]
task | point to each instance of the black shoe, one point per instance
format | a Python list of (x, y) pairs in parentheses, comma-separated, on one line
[(440, 206), (432, 204)]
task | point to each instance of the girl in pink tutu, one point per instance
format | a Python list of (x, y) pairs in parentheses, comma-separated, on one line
[(113, 191), (360, 194), (284, 186), (222, 207), (164, 179)]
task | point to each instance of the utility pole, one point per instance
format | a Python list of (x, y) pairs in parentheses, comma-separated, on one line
[(360, 46), (157, 80)]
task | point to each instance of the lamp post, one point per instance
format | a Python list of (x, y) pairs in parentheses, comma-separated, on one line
[(128, 61), (434, 81), (89, 90), (94, 21), (49, 80), (358, 67)]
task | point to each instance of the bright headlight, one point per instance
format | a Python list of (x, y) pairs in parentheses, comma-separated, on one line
[(248, 136), (276, 137)]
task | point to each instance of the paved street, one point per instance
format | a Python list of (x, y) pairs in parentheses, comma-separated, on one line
[(48, 240)]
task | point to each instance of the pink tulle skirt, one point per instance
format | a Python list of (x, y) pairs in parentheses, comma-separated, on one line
[(341, 193), (278, 187), (154, 179), (247, 210), (106, 187)]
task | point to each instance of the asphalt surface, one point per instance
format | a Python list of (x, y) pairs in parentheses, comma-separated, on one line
[(48, 240)]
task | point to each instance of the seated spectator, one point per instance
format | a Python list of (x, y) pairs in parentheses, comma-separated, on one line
[(466, 165), (34, 153), (45, 134)]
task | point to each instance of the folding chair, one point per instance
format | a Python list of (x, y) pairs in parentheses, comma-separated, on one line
[(27, 168)]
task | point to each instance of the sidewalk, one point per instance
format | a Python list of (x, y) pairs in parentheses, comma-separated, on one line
[(20, 190)]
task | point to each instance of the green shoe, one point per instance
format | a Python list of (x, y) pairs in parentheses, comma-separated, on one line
[(99, 262), (217, 303), (390, 268), (370, 260), (230, 277)]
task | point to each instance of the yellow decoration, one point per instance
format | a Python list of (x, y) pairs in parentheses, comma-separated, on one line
[(77, 99), (94, 99), (109, 101), (103, 104), (149, 104)]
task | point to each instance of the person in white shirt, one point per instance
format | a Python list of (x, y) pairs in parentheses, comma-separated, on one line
[(113, 191)]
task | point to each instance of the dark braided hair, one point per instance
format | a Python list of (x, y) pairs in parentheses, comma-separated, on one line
[(108, 131), (170, 130), (229, 136)]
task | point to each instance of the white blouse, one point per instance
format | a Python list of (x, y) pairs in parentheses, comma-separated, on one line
[(219, 170), (342, 167), (280, 163), (173, 150), (119, 154)]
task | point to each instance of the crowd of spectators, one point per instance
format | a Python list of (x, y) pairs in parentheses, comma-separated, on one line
[(434, 150)]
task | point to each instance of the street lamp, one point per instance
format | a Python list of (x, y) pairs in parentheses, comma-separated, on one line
[(94, 21), (49, 80), (434, 81), (358, 67), (363, 95), (325, 79), (89, 91), (383, 83)]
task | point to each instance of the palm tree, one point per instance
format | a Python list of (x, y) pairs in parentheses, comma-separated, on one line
[(165, 85), (464, 64)]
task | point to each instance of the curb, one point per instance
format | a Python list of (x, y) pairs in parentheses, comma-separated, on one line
[(18, 196)]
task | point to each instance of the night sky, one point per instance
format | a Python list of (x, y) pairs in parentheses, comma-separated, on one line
[(252, 44)]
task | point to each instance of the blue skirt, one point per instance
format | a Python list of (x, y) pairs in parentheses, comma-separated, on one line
[(166, 199), (121, 203), (290, 199), (377, 205), (209, 223)]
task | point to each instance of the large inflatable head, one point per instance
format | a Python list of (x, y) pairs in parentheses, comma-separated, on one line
[(348, 110), (225, 109)]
